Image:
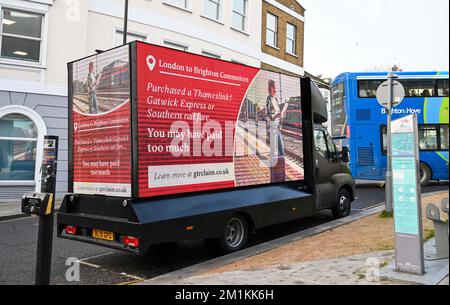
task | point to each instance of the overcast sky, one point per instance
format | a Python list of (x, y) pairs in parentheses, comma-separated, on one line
[(356, 35)]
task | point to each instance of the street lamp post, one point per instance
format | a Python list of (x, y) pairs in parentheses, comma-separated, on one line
[(125, 25)]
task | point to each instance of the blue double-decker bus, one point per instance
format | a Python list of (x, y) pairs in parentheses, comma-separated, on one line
[(359, 122)]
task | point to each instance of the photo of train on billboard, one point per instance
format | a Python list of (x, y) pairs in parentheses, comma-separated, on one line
[(101, 83)]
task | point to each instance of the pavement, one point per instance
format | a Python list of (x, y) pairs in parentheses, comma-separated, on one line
[(376, 268), (11, 210), (362, 269)]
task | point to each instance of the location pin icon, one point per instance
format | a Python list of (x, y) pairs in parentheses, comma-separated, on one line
[(151, 62), (75, 126)]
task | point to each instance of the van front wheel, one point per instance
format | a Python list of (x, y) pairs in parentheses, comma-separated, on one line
[(343, 206)]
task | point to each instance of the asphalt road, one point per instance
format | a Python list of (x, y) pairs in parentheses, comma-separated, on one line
[(103, 266)]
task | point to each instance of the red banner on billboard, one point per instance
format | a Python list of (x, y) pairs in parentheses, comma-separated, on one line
[(101, 124)]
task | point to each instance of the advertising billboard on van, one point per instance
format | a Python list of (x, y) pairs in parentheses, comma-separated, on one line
[(200, 124)]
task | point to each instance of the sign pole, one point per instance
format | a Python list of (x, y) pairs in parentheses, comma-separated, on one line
[(390, 94), (45, 232), (388, 186)]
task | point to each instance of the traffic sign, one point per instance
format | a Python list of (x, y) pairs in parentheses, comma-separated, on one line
[(398, 93)]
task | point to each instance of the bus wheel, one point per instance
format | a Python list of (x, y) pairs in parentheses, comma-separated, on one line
[(425, 174), (343, 206), (235, 234)]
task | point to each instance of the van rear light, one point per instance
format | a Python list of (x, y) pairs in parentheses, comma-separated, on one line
[(71, 230), (348, 132), (131, 241)]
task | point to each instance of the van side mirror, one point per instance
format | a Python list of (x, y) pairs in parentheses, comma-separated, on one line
[(345, 155)]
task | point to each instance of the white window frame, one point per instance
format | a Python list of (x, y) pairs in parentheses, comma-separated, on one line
[(42, 132), (167, 43), (246, 13), (220, 4), (134, 33), (33, 8), (275, 32), (187, 7), (294, 41)]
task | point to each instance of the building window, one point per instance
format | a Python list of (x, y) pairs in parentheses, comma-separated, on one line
[(291, 34), (176, 46), (211, 9), (210, 54), (130, 38), (272, 30), (18, 143), (239, 14), (21, 35), (184, 4)]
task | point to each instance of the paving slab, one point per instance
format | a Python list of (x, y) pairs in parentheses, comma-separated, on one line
[(436, 271)]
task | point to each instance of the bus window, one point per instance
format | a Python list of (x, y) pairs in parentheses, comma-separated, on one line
[(384, 138), (428, 139), (368, 88), (338, 115), (419, 88), (442, 85), (444, 138)]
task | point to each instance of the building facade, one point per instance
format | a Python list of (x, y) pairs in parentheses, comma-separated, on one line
[(39, 37), (282, 41)]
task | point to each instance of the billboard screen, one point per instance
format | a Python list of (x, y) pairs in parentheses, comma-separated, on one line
[(101, 114), (206, 124)]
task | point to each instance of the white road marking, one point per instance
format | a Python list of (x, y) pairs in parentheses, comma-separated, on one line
[(83, 261)]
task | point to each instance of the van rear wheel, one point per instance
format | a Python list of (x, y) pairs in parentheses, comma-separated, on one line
[(235, 234), (343, 206)]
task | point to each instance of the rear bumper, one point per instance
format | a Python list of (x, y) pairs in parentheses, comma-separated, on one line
[(85, 224)]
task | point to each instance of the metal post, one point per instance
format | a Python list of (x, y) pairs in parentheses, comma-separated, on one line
[(45, 232), (388, 187), (44, 250), (125, 25)]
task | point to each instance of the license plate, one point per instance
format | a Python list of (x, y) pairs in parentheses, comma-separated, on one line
[(105, 235)]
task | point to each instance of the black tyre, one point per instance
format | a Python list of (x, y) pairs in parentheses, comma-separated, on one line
[(235, 234), (343, 205), (425, 174)]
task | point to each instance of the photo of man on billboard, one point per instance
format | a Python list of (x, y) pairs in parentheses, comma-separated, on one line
[(92, 82), (268, 146), (275, 113)]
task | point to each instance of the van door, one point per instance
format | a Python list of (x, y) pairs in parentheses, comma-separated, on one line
[(326, 165)]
